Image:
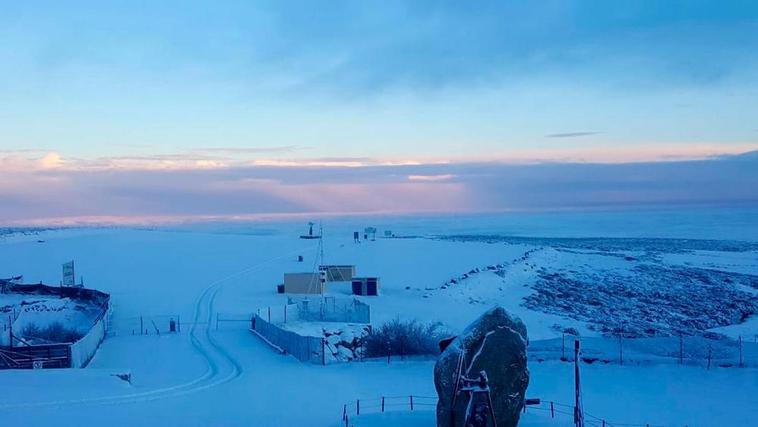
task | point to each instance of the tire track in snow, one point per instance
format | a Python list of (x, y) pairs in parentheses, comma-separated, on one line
[(203, 344)]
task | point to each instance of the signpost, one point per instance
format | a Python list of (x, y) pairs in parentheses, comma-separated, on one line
[(69, 277)]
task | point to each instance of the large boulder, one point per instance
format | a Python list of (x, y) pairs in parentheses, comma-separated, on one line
[(496, 345)]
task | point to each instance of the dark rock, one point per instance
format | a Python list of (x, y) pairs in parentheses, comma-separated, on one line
[(445, 342), (496, 345)]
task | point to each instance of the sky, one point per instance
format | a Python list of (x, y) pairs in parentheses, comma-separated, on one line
[(184, 108)]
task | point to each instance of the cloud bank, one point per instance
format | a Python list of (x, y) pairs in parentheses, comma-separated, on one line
[(53, 195)]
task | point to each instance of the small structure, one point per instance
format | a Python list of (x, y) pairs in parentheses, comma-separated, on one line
[(304, 283), (369, 232), (338, 273), (368, 286), (310, 234)]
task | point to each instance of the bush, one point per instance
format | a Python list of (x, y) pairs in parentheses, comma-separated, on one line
[(404, 338), (53, 333)]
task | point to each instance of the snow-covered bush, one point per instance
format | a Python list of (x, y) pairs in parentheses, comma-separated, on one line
[(55, 332), (399, 337)]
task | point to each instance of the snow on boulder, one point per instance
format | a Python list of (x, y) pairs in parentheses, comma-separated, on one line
[(496, 345)]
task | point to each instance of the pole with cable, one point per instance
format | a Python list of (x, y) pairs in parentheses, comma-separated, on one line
[(578, 411)]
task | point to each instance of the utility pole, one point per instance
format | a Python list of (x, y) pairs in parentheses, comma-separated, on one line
[(578, 411)]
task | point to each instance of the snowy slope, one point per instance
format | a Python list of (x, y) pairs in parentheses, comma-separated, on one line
[(229, 377)]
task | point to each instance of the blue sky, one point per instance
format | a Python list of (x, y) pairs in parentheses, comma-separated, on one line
[(145, 85)]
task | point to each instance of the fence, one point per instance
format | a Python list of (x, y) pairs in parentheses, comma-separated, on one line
[(553, 410), (332, 309), (59, 355), (387, 404), (35, 356), (147, 325), (82, 351), (685, 350), (266, 323), (304, 348)]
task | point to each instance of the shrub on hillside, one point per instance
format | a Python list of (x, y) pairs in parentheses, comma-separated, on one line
[(398, 337)]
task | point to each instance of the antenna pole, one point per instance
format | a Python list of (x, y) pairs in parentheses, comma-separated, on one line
[(578, 412), (321, 254)]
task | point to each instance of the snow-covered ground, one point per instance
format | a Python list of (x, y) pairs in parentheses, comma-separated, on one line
[(204, 376)]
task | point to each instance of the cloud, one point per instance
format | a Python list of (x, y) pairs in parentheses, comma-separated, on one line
[(59, 195), (570, 134), (431, 178), (253, 150)]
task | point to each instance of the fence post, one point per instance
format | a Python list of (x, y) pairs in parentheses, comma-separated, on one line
[(285, 313), (742, 361), (178, 323), (382, 403), (552, 410), (269, 314), (141, 327), (411, 402), (563, 346), (344, 411), (358, 407), (323, 351)]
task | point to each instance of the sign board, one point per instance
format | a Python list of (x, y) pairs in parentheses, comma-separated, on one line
[(37, 364), (69, 278)]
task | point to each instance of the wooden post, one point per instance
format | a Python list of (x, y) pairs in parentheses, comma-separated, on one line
[(178, 323), (269, 314), (382, 403), (563, 346), (358, 407), (141, 326), (411, 402), (621, 350), (552, 410), (344, 411), (709, 356)]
